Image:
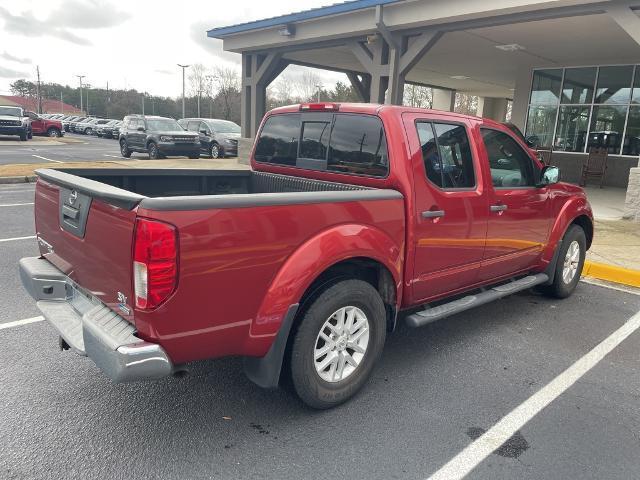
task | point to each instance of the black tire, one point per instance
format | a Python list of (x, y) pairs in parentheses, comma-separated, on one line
[(53, 132), (124, 149), (88, 131), (313, 390), (30, 135), (24, 137), (215, 151), (560, 288), (152, 148)]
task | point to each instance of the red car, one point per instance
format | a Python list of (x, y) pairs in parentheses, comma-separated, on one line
[(352, 218), (44, 126)]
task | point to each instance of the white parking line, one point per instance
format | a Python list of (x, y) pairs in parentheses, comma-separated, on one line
[(463, 463), (15, 204), (16, 238), (47, 159), (18, 323), (113, 156)]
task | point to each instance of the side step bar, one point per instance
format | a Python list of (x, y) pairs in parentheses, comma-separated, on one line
[(429, 315)]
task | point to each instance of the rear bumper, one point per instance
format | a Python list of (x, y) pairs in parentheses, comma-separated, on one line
[(91, 328)]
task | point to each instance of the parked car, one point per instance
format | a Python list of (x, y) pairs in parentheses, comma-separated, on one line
[(45, 126), (218, 138), (112, 129), (100, 128), (88, 126), (73, 123), (157, 136), (14, 121), (351, 218)]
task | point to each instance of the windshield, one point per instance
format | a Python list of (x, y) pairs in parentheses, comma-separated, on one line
[(10, 111), (165, 124), (222, 126)]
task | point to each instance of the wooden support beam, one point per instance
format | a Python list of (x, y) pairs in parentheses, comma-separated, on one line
[(626, 19), (417, 49)]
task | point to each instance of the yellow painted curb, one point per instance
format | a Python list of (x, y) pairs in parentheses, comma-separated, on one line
[(610, 273)]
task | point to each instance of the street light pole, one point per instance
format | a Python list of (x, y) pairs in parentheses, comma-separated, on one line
[(319, 87), (80, 77), (183, 68)]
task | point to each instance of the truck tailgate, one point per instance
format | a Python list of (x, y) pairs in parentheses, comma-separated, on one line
[(89, 237)]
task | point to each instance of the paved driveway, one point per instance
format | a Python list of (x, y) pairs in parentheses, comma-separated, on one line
[(437, 389)]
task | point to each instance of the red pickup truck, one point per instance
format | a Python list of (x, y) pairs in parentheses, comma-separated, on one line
[(45, 126), (352, 217)]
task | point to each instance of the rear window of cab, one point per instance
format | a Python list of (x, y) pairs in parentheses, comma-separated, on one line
[(345, 143)]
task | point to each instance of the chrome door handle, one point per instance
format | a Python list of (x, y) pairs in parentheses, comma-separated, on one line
[(498, 208), (433, 214)]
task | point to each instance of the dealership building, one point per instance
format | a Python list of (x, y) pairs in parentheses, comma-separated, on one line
[(570, 68)]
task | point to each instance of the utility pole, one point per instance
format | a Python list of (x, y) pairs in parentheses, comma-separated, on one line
[(61, 104), (142, 103), (80, 77), (88, 88), (210, 89), (38, 91), (319, 87), (183, 68), (107, 102)]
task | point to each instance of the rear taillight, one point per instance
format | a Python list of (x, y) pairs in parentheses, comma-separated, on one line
[(315, 107), (155, 262)]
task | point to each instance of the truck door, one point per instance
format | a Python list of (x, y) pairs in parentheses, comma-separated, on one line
[(519, 212), (451, 209)]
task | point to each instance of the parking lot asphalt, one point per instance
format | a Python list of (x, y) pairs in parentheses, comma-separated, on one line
[(436, 390), (91, 148)]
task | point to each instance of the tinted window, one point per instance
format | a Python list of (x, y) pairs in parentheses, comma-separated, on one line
[(578, 85), (614, 84), (315, 140), (510, 165), (278, 142), (358, 146), (447, 155), (193, 125), (546, 86)]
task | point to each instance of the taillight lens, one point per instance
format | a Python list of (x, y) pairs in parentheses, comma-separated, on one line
[(155, 262)]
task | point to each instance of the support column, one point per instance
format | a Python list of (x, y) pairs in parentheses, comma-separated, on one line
[(361, 84), (632, 202), (390, 58), (493, 108), (626, 19), (521, 95), (444, 99)]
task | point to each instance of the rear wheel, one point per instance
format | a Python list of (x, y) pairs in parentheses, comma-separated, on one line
[(53, 132), (569, 264), (337, 344), (124, 149), (88, 131), (153, 151)]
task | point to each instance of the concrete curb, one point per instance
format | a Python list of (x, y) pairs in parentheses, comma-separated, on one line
[(601, 271), (19, 179)]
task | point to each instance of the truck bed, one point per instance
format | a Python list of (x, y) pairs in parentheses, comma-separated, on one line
[(236, 229)]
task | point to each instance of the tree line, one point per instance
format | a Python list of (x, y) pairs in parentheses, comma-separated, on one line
[(215, 93)]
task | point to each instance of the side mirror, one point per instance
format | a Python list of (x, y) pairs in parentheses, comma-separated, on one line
[(549, 176), (141, 129)]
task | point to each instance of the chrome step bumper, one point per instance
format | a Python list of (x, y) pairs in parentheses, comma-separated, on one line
[(91, 328)]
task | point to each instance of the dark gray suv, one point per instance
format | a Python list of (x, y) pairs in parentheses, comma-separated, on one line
[(158, 136), (218, 138)]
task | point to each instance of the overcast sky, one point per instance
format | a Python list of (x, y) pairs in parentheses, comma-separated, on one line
[(134, 44)]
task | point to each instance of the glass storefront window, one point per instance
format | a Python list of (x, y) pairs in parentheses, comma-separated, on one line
[(571, 133), (607, 125), (636, 86), (546, 86), (578, 85), (614, 84), (632, 135), (540, 124)]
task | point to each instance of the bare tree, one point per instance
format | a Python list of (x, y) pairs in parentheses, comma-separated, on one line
[(418, 96), (465, 103), (281, 90), (307, 85), (226, 82), (198, 82)]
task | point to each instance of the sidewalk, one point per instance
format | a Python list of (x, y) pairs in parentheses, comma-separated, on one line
[(615, 252)]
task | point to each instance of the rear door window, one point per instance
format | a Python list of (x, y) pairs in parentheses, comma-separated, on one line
[(446, 154), (342, 143)]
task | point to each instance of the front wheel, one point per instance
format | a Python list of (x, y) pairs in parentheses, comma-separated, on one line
[(569, 264), (53, 132), (124, 149), (154, 154), (215, 151), (23, 137), (337, 344)]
